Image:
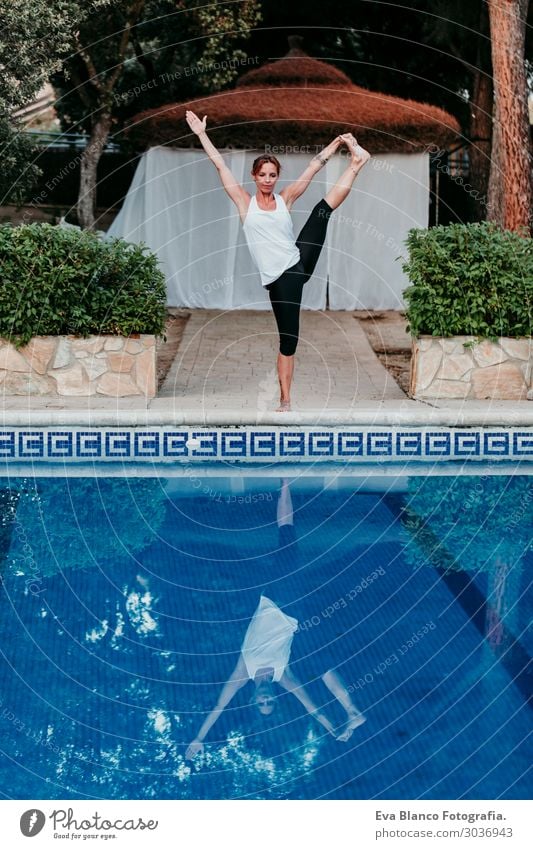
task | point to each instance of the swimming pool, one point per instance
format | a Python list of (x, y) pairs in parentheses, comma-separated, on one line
[(126, 599)]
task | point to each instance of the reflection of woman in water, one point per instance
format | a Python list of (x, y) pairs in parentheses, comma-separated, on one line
[(264, 659)]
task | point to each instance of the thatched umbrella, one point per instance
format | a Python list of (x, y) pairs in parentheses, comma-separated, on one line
[(298, 101)]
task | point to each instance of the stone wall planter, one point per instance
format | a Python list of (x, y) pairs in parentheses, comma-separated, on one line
[(442, 367), (116, 366)]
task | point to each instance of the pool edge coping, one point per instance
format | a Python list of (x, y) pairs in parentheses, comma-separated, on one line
[(412, 414)]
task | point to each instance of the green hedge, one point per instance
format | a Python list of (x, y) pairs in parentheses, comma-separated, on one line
[(469, 279), (59, 281)]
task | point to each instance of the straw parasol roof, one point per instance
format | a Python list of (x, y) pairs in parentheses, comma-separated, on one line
[(294, 102)]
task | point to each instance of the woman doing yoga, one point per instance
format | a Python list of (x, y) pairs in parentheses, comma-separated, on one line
[(285, 263)]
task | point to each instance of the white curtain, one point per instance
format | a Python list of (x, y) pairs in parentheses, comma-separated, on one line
[(367, 232), (177, 206)]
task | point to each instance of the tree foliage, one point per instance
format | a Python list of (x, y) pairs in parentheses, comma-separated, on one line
[(432, 51), (34, 39), (139, 46), (177, 48), (435, 51)]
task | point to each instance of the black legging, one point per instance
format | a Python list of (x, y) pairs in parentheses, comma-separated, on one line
[(286, 292)]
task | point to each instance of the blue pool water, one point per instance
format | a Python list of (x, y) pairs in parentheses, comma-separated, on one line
[(125, 603)]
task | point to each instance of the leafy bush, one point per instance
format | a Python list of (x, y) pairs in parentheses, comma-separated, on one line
[(469, 279), (59, 281)]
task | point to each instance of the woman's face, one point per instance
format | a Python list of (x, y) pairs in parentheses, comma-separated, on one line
[(267, 177), (265, 697), (265, 703)]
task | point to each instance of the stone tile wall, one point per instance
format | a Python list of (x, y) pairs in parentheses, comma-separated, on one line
[(444, 368), (70, 365)]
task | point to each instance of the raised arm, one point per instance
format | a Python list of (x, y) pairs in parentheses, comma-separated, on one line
[(237, 679), (290, 683), (293, 192), (239, 196)]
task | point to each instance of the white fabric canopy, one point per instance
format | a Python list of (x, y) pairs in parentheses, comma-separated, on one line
[(177, 206)]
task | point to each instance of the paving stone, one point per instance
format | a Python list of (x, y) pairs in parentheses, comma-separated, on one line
[(338, 379), (222, 359)]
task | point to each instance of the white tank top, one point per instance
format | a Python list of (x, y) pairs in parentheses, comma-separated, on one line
[(270, 238), (267, 642)]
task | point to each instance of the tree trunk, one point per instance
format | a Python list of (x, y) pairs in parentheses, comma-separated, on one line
[(480, 134), (481, 118), (88, 169), (510, 195)]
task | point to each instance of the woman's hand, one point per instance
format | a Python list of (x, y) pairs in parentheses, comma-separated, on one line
[(328, 151), (359, 154), (195, 748), (324, 721), (194, 122)]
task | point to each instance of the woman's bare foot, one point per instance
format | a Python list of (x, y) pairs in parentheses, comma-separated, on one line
[(359, 154), (353, 722), (284, 407)]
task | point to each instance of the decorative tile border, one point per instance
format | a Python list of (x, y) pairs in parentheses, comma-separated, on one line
[(264, 444)]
